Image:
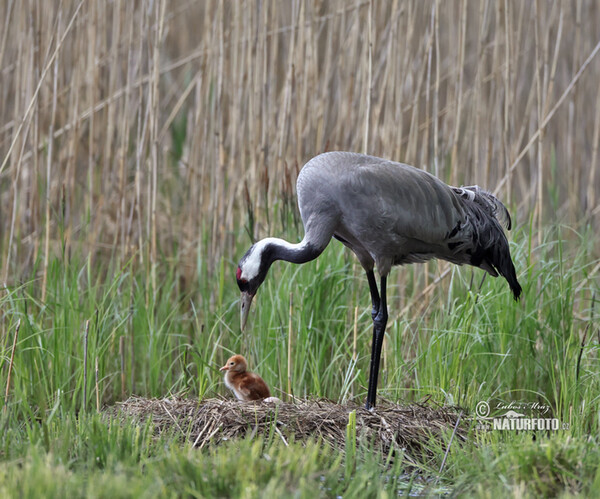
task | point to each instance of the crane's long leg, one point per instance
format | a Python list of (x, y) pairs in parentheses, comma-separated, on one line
[(375, 299), (379, 323), (376, 302)]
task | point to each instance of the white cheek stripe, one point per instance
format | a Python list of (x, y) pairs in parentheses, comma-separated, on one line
[(252, 264)]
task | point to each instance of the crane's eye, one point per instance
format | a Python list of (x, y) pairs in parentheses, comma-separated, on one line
[(231, 363)]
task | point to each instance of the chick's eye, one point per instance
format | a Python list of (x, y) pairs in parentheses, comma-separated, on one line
[(231, 363)]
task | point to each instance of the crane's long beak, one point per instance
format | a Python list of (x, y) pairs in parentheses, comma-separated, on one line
[(245, 302)]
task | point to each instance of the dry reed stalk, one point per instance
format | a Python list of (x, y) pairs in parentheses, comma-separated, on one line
[(540, 117), (506, 131), (289, 351), (112, 61), (7, 18), (220, 139), (14, 214), (382, 117), (123, 227), (413, 132), (122, 364), (436, 90), (284, 119), (131, 341), (97, 385), (459, 92), (355, 335), (92, 84), (302, 74), (11, 363), (570, 146), (85, 362), (552, 75), (159, 16), (425, 143), (449, 444), (49, 172), (73, 151), (369, 86), (591, 190)]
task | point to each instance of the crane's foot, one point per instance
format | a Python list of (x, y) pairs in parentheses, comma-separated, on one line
[(371, 398)]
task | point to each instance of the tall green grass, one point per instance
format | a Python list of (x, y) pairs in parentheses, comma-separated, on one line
[(90, 458), (470, 341), (465, 342)]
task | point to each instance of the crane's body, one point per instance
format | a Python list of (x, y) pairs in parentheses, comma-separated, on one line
[(388, 214)]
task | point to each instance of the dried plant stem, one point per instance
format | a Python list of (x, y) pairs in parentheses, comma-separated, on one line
[(11, 363), (131, 342), (450, 443), (85, 362), (436, 90), (49, 175), (459, 91), (289, 350), (355, 335), (154, 131), (591, 183), (122, 364), (369, 87), (540, 148), (97, 384)]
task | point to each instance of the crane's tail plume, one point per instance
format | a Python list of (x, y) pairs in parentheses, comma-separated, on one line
[(491, 251), (502, 262), (487, 201)]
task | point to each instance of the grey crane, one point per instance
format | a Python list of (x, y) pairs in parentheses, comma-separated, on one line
[(388, 214)]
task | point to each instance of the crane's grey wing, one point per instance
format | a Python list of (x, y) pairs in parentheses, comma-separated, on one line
[(387, 200)]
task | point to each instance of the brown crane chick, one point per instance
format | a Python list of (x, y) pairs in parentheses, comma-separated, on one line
[(245, 385)]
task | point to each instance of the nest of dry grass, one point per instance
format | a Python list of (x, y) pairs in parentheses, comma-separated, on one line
[(405, 428)]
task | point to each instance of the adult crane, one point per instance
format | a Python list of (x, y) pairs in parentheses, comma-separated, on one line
[(388, 214)]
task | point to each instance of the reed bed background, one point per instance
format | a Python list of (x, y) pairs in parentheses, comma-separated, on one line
[(145, 145), (139, 129)]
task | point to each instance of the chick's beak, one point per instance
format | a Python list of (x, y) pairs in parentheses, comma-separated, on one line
[(224, 368), (245, 302)]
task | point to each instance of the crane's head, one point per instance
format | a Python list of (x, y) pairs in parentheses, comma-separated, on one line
[(251, 273)]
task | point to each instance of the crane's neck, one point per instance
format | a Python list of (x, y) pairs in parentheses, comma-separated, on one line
[(256, 262), (279, 249)]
